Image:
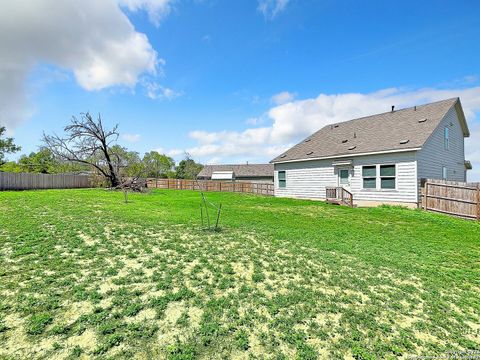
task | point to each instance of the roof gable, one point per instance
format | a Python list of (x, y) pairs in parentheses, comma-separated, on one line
[(399, 130)]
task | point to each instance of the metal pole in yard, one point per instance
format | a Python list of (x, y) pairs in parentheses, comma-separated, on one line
[(218, 216)]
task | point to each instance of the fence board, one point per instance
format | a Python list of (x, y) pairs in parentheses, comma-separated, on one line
[(210, 185), (34, 181), (453, 198)]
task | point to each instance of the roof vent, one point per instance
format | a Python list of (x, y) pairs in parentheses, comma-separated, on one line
[(406, 141), (352, 148), (422, 120), (308, 140), (335, 126), (310, 153), (393, 108), (283, 156), (344, 141)]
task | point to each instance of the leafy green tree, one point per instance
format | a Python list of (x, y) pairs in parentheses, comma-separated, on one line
[(42, 161), (10, 166), (157, 165), (188, 168), (6, 145), (127, 163)]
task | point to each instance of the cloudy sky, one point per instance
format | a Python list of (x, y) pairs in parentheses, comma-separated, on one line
[(231, 81)]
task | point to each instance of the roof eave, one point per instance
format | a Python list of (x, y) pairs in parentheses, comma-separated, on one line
[(346, 155), (462, 118)]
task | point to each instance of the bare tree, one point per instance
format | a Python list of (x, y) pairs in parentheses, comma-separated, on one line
[(86, 142)]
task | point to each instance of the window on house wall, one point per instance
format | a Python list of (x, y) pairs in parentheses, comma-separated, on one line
[(369, 174), (444, 173), (343, 177), (387, 176), (446, 136), (282, 179)]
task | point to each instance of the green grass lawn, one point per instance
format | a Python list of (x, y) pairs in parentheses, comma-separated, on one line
[(84, 275)]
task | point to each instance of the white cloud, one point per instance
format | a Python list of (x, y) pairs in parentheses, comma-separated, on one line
[(156, 9), (131, 138), (156, 91), (282, 98), (174, 153), (255, 121), (213, 161), (93, 39), (297, 119), (271, 8)]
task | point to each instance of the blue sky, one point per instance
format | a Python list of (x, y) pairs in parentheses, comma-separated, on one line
[(232, 81)]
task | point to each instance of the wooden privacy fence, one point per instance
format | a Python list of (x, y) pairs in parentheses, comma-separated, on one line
[(209, 185), (452, 198), (31, 181)]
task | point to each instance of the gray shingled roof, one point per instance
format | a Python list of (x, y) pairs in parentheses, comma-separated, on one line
[(250, 170), (397, 130)]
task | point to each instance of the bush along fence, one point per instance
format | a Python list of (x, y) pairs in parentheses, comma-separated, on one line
[(210, 185), (452, 198), (32, 181)]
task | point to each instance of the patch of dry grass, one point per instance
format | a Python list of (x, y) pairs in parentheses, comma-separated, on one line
[(113, 288)]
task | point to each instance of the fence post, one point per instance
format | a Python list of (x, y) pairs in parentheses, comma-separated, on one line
[(422, 197), (478, 202), (426, 195)]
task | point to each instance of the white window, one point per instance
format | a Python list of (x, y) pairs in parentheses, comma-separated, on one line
[(446, 138), (369, 174), (343, 176), (387, 176), (444, 173), (379, 176), (282, 179)]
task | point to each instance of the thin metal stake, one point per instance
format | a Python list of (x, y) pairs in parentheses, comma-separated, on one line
[(206, 210), (218, 216)]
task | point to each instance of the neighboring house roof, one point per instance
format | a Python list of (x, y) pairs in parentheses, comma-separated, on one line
[(399, 130), (250, 170)]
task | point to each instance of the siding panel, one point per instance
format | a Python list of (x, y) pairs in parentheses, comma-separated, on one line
[(308, 179), (433, 156)]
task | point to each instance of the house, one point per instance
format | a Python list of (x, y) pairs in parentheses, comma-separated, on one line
[(247, 172), (379, 159)]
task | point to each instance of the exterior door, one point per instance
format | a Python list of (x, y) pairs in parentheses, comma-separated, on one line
[(344, 177)]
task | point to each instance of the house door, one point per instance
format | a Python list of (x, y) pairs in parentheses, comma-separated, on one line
[(344, 178)]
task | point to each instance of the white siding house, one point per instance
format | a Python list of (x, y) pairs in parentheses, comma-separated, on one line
[(439, 154), (378, 159)]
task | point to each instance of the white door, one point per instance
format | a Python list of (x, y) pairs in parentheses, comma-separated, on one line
[(344, 177)]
